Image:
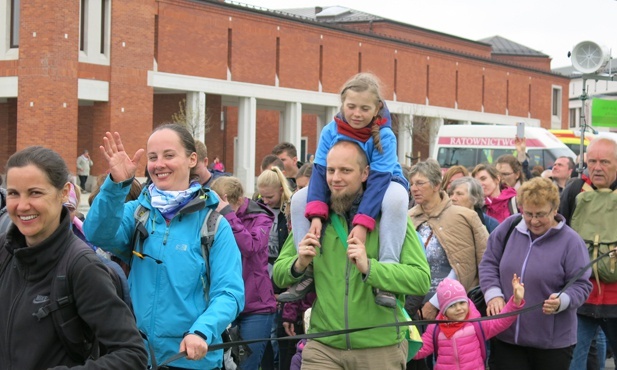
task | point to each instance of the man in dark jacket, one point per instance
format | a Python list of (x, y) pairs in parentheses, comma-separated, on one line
[(600, 309)]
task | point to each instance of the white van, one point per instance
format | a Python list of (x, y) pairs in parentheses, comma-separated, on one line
[(469, 145)]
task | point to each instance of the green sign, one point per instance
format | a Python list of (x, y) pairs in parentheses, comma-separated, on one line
[(604, 113)]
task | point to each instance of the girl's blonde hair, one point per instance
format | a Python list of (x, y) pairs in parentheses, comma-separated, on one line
[(273, 178), (231, 186), (366, 82)]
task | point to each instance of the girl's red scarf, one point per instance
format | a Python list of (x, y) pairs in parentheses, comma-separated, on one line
[(451, 327), (361, 134)]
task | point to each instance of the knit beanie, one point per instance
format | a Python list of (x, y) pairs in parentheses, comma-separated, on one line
[(449, 292)]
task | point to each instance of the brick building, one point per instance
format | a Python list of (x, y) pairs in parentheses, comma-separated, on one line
[(252, 76)]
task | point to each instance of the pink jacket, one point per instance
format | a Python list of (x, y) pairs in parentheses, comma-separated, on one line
[(462, 350), (499, 207)]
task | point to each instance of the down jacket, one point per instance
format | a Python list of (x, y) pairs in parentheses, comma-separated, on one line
[(462, 350)]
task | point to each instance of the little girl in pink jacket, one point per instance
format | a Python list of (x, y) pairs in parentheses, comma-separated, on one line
[(458, 345)]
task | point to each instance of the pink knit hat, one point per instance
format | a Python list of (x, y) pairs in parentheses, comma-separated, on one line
[(449, 292)]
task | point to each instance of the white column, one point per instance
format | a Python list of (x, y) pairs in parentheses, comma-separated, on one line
[(436, 124), (290, 125), (324, 119), (244, 164), (196, 114), (404, 138)]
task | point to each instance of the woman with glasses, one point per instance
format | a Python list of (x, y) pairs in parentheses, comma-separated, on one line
[(546, 253), (453, 236), (181, 301), (499, 198)]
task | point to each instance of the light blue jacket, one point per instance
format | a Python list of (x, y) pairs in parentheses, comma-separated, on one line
[(167, 285)]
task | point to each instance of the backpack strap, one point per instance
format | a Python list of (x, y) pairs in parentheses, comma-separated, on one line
[(479, 334), (481, 338), (76, 337), (515, 222), (512, 206), (208, 231), (140, 233)]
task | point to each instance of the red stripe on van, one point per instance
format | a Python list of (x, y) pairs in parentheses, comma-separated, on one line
[(486, 142)]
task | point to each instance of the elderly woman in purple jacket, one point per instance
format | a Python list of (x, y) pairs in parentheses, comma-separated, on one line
[(251, 223), (546, 253)]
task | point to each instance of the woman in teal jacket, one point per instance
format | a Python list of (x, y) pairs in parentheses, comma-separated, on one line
[(178, 302)]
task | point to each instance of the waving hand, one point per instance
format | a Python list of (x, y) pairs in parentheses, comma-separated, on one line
[(121, 167)]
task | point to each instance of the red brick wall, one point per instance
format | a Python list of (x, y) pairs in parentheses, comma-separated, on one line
[(8, 68), (426, 37), (129, 110), (47, 103)]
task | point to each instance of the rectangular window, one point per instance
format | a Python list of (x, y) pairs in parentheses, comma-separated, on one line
[(320, 63), (572, 117), (456, 87), (483, 81), (556, 102), (229, 49), (14, 23), (529, 100), (278, 55), (395, 73), (507, 95), (82, 26), (103, 24), (359, 62), (428, 74)]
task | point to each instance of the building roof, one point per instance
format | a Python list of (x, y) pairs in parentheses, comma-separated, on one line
[(338, 14), (504, 46)]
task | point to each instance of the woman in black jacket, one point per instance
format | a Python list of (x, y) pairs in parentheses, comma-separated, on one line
[(31, 254)]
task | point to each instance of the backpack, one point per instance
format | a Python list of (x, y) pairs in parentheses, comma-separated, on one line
[(208, 230), (76, 337), (479, 334), (592, 222)]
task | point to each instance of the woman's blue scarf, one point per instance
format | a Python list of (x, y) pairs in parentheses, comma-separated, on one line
[(170, 202)]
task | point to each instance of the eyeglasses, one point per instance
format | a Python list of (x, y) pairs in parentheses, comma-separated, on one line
[(418, 184), (539, 215), (505, 174)]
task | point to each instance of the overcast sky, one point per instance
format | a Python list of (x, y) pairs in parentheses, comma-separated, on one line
[(552, 27)]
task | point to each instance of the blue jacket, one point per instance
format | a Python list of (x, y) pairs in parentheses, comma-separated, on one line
[(384, 168), (167, 288)]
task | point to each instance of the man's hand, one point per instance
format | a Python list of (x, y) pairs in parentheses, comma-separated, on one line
[(429, 312), (494, 306), (356, 252), (195, 346), (289, 328), (306, 252)]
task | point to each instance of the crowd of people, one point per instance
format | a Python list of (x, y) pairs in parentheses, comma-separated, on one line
[(351, 236)]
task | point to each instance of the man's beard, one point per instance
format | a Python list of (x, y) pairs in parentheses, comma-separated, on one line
[(340, 204)]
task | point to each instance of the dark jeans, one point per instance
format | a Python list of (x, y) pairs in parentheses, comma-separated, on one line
[(506, 356), (82, 182)]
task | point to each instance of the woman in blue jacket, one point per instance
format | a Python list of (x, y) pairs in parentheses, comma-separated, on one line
[(181, 301)]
